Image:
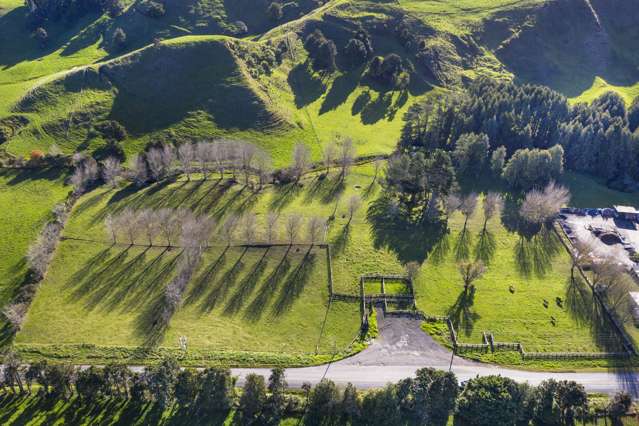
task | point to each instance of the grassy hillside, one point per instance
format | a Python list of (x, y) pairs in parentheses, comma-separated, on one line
[(215, 91)]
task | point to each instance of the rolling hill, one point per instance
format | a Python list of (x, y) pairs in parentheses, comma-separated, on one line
[(225, 69)]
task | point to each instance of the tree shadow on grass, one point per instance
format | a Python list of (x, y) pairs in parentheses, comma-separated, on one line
[(101, 288), (586, 310), (145, 284), (536, 254), (341, 89), (268, 289), (327, 189), (207, 277), (410, 241), (307, 88), (246, 286), (342, 239), (284, 195), (485, 247), (219, 292), (129, 283), (461, 313), (26, 175), (462, 245), (294, 284), (222, 210), (86, 276), (440, 250), (378, 109)]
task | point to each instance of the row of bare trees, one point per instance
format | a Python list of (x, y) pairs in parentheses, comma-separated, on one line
[(164, 227), (195, 233), (238, 158), (38, 258), (539, 205)]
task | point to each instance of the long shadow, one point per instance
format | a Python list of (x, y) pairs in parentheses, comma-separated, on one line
[(219, 292), (87, 276), (587, 311), (409, 240), (284, 194), (246, 286), (378, 109), (485, 247), (536, 254), (101, 288), (440, 250), (268, 289), (207, 277), (341, 89), (306, 87), (221, 211), (461, 314), (126, 286), (462, 245), (294, 284), (214, 195), (26, 175), (146, 284), (342, 239)]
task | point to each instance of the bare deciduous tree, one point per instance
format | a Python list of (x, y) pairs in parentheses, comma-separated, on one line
[(186, 155), (14, 314), (169, 225), (111, 171), (128, 222), (292, 227), (453, 203), (249, 221), (468, 206), (329, 156), (493, 204), (316, 228), (247, 153), (40, 252), (582, 254), (139, 170), (204, 152), (228, 229), (148, 221), (346, 156), (541, 206), (263, 167), (110, 223), (471, 272), (301, 160), (271, 226), (159, 161), (86, 172)]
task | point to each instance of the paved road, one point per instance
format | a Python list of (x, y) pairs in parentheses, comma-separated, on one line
[(402, 348)]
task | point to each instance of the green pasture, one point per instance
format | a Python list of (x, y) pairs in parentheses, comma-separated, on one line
[(97, 298), (526, 294), (26, 200), (245, 300)]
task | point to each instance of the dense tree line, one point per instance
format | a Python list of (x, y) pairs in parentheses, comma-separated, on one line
[(596, 139), (428, 398)]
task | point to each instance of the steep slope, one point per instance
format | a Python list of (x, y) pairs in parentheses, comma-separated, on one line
[(566, 44), (189, 88)]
